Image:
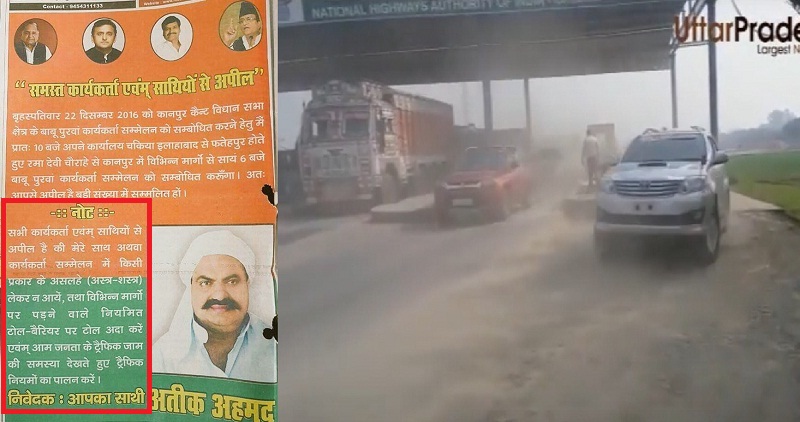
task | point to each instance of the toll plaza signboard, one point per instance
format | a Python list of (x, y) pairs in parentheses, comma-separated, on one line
[(138, 241), (295, 12)]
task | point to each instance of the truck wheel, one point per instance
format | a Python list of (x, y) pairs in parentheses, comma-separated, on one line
[(708, 244), (390, 189), (411, 187), (377, 197), (502, 209)]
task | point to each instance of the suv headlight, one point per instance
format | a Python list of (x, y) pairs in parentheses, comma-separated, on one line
[(695, 184), (607, 186)]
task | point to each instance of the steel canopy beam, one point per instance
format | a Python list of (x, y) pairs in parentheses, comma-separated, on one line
[(641, 52), (527, 93), (712, 73), (626, 38), (695, 8), (488, 116), (674, 90)]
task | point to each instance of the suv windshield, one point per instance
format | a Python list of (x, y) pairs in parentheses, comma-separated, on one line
[(478, 159), (666, 148)]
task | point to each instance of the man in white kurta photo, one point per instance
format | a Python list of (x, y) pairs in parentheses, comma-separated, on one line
[(172, 48), (213, 332)]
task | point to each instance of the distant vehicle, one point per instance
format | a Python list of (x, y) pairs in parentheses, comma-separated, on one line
[(487, 178), (519, 138), (672, 183), (365, 141)]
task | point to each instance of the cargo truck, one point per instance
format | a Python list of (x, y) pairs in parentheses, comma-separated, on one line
[(365, 141)]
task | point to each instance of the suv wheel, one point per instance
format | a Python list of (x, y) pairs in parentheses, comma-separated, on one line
[(501, 209), (527, 199), (602, 247), (709, 243), (443, 217)]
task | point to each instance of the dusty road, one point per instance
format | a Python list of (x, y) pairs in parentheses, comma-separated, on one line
[(517, 322)]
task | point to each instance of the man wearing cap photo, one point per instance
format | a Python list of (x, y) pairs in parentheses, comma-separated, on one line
[(213, 332), (250, 24)]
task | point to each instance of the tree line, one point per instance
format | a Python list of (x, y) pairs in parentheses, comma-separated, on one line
[(781, 126)]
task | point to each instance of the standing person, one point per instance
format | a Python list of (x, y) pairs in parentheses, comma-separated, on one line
[(590, 157), (29, 49)]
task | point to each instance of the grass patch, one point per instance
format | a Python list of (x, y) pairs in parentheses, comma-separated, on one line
[(772, 177)]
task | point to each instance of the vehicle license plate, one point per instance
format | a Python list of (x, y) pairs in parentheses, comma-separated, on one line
[(463, 202), (643, 207)]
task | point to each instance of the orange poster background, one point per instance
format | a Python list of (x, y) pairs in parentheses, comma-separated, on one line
[(150, 3), (205, 202), (37, 216)]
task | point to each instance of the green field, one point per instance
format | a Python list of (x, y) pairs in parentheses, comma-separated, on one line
[(772, 177)]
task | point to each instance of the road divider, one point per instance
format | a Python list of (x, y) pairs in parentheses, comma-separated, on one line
[(415, 209)]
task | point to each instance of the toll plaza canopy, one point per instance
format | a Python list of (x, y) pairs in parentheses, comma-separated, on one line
[(434, 41)]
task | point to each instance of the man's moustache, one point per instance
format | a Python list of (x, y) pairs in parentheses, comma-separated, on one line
[(230, 304)]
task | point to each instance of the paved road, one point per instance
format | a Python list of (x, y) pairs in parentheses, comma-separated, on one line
[(517, 322)]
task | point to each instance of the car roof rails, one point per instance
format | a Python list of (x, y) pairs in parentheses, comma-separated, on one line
[(650, 130), (698, 128)]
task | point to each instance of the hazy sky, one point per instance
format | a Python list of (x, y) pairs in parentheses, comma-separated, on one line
[(750, 86)]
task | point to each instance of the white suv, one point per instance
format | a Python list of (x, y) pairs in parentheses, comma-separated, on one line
[(670, 182)]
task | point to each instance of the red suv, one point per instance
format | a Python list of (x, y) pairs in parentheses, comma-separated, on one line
[(489, 179)]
